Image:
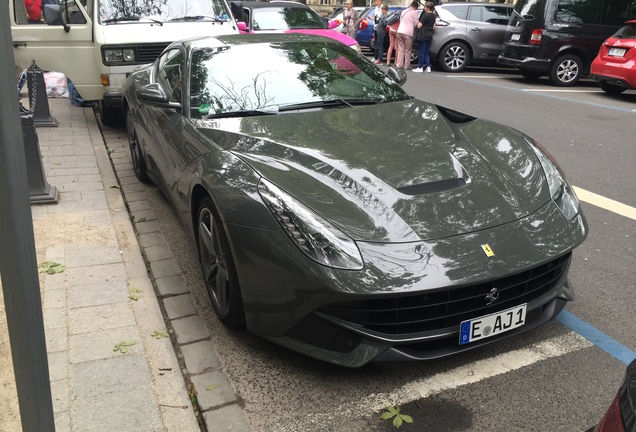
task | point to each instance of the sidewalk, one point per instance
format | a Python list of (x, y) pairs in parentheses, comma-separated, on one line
[(105, 296)]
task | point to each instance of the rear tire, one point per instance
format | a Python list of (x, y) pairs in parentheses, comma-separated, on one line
[(217, 263), (453, 57), (566, 70), (136, 154), (611, 88)]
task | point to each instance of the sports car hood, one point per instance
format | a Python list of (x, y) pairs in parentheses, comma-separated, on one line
[(392, 172)]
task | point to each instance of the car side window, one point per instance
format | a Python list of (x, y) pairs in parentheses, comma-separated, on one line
[(575, 11), (170, 74), (616, 12), (474, 14), (495, 15), (460, 11)]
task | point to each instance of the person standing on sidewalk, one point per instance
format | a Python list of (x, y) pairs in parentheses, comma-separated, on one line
[(350, 20), (424, 36), (381, 33), (393, 26), (408, 21)]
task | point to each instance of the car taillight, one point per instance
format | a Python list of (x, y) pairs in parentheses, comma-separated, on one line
[(535, 37), (363, 24), (612, 421)]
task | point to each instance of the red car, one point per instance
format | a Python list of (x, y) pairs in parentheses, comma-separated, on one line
[(621, 415), (615, 65)]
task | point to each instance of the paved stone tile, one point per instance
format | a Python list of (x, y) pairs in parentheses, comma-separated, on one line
[(98, 274), (166, 267), (137, 206), (229, 418), (138, 187), (132, 410), (151, 239), (98, 318), (54, 298), (99, 345), (147, 227), (158, 252), (56, 339), (179, 306), (54, 318), (94, 378), (62, 421), (97, 294), (171, 285), (190, 329), (60, 394), (92, 255), (58, 365), (144, 215), (200, 356), (221, 395)]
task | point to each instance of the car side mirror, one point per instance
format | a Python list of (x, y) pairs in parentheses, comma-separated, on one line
[(53, 16), (397, 75), (242, 27), (153, 94)]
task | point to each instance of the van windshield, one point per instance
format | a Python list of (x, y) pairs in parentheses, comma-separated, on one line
[(119, 11)]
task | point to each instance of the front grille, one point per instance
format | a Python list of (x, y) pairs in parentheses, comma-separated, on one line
[(437, 310), (149, 53)]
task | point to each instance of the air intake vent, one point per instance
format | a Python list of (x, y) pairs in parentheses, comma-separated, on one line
[(426, 188)]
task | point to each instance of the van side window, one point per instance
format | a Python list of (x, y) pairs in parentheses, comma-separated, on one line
[(574, 11), (496, 15), (170, 74)]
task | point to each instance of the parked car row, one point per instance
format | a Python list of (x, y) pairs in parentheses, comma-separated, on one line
[(563, 39)]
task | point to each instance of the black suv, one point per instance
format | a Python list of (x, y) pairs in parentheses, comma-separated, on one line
[(560, 38)]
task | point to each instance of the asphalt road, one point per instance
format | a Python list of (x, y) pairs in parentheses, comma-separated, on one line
[(550, 379)]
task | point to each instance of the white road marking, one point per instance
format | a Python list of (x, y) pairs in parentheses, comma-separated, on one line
[(605, 203), (561, 90), (430, 385), (477, 76)]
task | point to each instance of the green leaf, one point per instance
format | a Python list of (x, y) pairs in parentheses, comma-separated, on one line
[(134, 296), (51, 267), (397, 421), (211, 387), (136, 290), (122, 346), (407, 418), (114, 186), (157, 334), (110, 151), (386, 415), (393, 410)]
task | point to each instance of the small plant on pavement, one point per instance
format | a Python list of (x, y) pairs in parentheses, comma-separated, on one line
[(398, 418), (51, 267), (159, 334), (135, 294), (122, 346), (211, 387)]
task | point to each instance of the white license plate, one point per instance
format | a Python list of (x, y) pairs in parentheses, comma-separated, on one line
[(616, 52), (515, 37), (492, 325)]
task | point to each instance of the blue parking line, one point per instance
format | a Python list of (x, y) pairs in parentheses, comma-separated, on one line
[(597, 337)]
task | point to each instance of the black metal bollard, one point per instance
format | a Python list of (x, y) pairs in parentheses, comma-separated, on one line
[(38, 99), (40, 191)]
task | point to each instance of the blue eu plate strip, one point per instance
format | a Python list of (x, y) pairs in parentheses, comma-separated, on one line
[(598, 338)]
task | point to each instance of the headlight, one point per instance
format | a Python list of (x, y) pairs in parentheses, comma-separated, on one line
[(118, 55), (313, 234), (356, 47), (560, 191)]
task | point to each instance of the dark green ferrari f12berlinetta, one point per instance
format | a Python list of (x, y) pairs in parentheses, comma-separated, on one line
[(338, 216)]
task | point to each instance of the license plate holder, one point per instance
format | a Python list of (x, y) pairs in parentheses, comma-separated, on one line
[(616, 52), (492, 325), (515, 37)]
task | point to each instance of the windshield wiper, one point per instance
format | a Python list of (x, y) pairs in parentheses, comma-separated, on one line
[(331, 103), (197, 18), (245, 113), (131, 18)]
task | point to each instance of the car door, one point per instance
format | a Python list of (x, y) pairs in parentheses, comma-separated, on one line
[(486, 29), (54, 49)]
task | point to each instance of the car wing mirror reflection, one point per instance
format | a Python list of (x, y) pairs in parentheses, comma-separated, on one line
[(397, 75), (153, 94)]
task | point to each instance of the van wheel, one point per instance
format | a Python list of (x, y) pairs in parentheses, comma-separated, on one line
[(611, 88), (566, 70), (529, 74), (454, 57), (109, 115)]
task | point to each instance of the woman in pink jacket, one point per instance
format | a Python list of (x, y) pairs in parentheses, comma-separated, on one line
[(408, 22)]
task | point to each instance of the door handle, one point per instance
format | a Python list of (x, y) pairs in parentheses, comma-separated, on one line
[(477, 29), (19, 44)]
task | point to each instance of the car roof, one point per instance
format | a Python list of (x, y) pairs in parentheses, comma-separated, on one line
[(220, 41), (457, 4), (279, 3)]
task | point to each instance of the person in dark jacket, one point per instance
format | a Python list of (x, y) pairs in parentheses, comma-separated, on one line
[(381, 33), (424, 36)]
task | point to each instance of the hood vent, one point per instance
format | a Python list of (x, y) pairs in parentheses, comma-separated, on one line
[(427, 188)]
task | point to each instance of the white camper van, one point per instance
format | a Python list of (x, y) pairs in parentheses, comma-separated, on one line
[(97, 43)]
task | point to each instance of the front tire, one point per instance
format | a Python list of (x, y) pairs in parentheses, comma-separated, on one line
[(566, 70), (136, 154), (217, 263), (611, 88), (454, 57)]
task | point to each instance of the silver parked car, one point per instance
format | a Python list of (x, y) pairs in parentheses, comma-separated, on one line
[(469, 34)]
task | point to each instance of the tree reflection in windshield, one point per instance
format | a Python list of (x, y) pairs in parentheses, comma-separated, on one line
[(164, 10), (279, 74)]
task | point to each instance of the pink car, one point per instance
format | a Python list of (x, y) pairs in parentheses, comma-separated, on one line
[(285, 17)]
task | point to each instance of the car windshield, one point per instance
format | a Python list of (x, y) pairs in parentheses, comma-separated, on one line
[(282, 76), (116, 11), (284, 18), (527, 10)]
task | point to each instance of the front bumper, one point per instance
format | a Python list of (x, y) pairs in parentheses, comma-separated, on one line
[(290, 299)]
